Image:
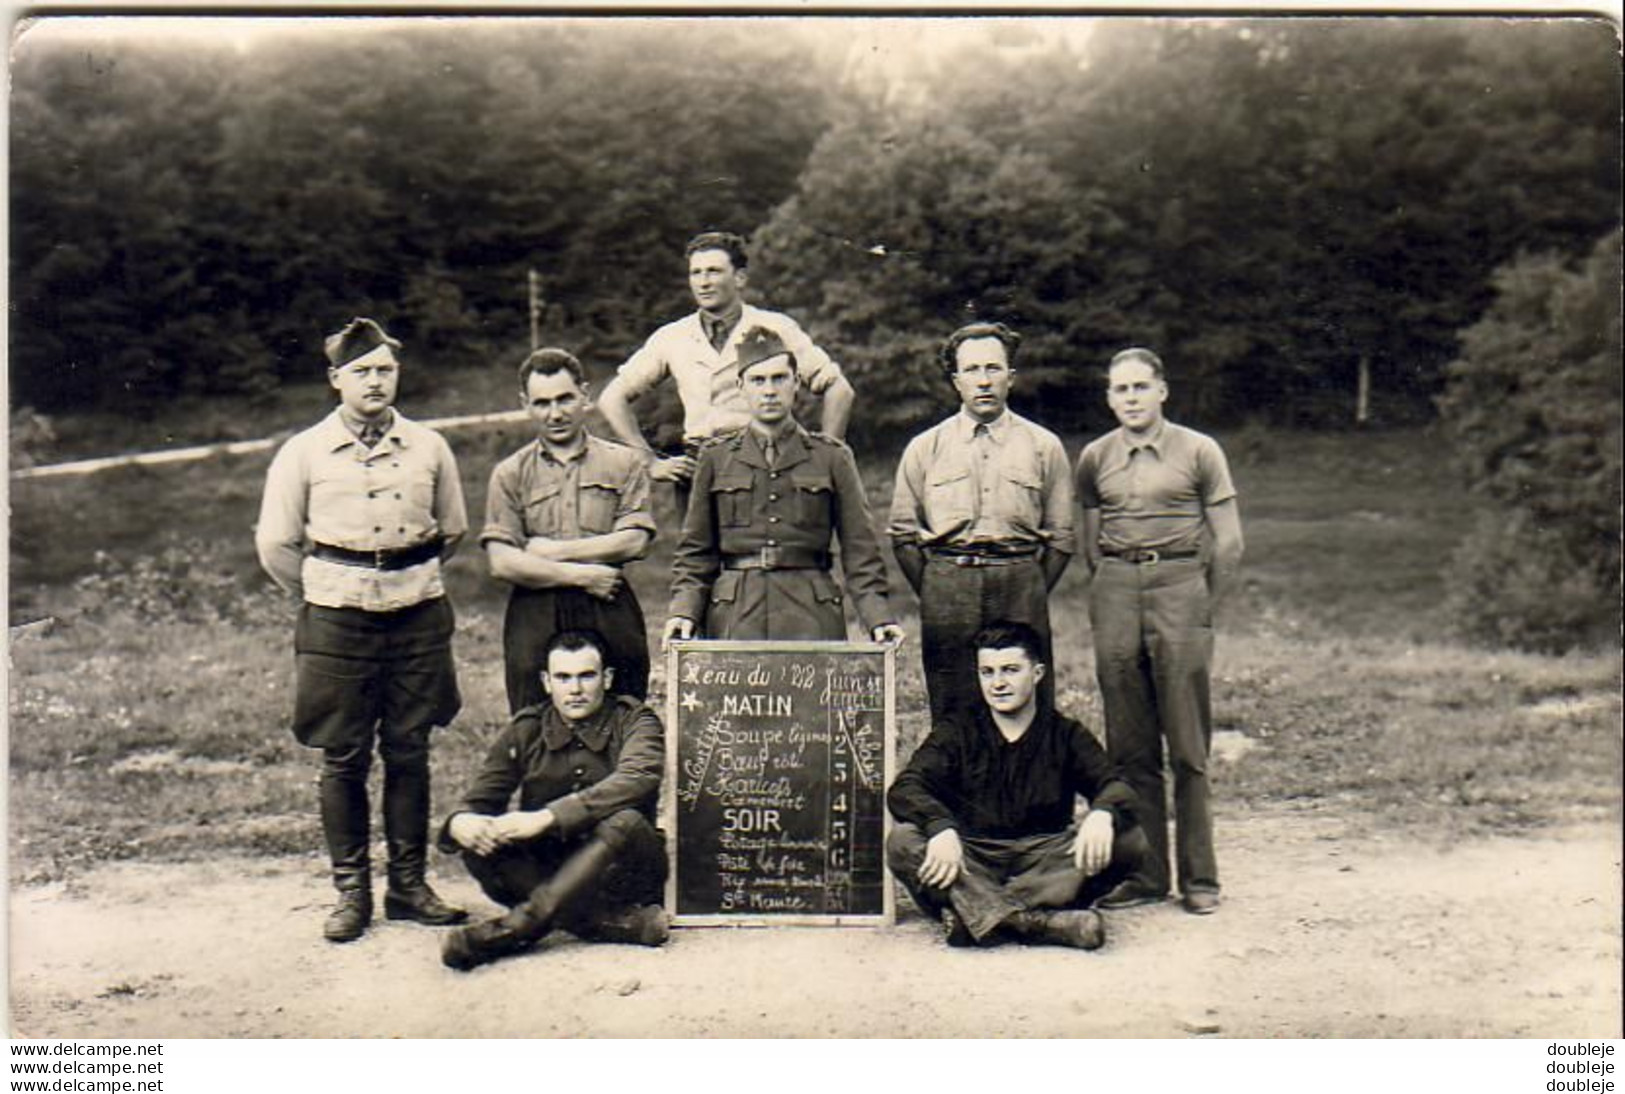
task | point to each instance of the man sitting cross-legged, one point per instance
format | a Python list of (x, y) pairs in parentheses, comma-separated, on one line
[(580, 851), (985, 837)]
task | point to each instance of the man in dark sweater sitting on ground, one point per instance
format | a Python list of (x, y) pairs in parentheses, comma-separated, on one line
[(986, 838)]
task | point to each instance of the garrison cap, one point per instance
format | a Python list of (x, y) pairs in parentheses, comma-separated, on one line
[(359, 337), (760, 344)]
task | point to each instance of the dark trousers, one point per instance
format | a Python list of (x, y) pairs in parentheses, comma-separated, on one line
[(625, 859), (367, 679), (1003, 876), (535, 615), (956, 602), (1153, 631)]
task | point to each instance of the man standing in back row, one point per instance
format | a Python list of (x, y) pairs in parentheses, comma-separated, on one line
[(1162, 539), (701, 353), (981, 519)]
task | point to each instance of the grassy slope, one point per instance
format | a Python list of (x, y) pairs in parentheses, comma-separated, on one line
[(166, 736)]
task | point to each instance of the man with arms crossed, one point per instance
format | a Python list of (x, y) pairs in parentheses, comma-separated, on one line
[(1162, 539), (358, 513), (579, 850), (562, 515), (754, 557), (985, 837), (981, 518), (701, 353)]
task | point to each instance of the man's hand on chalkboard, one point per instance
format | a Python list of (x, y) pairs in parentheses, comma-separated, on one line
[(889, 633), (522, 827), (475, 832), (679, 628), (944, 857), (1092, 850)]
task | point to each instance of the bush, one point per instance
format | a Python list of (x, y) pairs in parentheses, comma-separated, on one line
[(187, 582), (1534, 409)]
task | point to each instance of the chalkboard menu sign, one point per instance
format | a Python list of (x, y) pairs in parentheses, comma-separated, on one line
[(778, 757)]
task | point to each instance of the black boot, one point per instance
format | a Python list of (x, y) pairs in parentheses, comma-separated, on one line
[(1081, 930), (345, 828), (353, 912), (406, 831), (468, 947)]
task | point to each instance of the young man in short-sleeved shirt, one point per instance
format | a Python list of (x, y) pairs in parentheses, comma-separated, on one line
[(1162, 539)]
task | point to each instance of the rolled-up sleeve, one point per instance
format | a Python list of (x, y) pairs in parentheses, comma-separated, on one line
[(504, 507), (636, 777), (815, 367), (634, 510), (646, 367)]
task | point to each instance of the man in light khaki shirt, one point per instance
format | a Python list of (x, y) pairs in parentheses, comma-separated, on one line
[(359, 511), (981, 518)]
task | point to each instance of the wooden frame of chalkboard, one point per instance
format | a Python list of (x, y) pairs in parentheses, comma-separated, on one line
[(776, 776)]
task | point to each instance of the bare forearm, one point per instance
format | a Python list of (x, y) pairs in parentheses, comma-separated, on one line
[(616, 407), (516, 567), (837, 409), (627, 545)]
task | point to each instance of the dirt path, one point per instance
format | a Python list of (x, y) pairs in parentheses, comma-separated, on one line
[(1320, 935)]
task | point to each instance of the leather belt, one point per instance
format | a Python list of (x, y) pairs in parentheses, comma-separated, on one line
[(1145, 556), (778, 558), (980, 558), (384, 558)]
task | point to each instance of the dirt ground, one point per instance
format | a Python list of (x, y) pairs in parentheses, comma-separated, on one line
[(1323, 933)]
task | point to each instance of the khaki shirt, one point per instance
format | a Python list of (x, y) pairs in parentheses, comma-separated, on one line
[(1006, 484), (1153, 493), (708, 379), (603, 488), (325, 486)]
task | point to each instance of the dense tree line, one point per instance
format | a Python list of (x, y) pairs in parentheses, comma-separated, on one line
[(1277, 205)]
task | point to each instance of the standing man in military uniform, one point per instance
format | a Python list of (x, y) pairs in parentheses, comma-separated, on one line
[(701, 352), (981, 519), (754, 557), (562, 516), (1162, 539), (359, 512)]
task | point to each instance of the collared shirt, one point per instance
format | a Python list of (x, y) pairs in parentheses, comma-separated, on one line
[(325, 486), (962, 484), (967, 777), (602, 488), (708, 378), (582, 771), (1153, 492), (718, 327)]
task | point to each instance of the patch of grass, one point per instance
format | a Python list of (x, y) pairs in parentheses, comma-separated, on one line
[(1333, 658)]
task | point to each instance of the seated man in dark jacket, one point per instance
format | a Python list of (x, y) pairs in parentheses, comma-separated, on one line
[(986, 838), (580, 851)]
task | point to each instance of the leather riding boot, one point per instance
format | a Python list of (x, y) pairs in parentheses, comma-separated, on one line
[(406, 831), (351, 915), (1081, 930), (345, 827), (468, 947)]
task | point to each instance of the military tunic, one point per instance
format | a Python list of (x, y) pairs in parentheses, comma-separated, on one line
[(754, 556)]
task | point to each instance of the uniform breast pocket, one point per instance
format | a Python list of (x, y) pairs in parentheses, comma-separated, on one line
[(600, 501), (948, 497), (815, 498), (542, 510), (734, 501)]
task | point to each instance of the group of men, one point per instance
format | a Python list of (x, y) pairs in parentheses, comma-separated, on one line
[(361, 510)]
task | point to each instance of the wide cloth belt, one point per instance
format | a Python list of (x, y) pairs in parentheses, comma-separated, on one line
[(956, 556), (778, 558), (384, 558), (1147, 556)]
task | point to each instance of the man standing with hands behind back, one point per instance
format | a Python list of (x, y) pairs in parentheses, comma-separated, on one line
[(1162, 538), (359, 512)]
